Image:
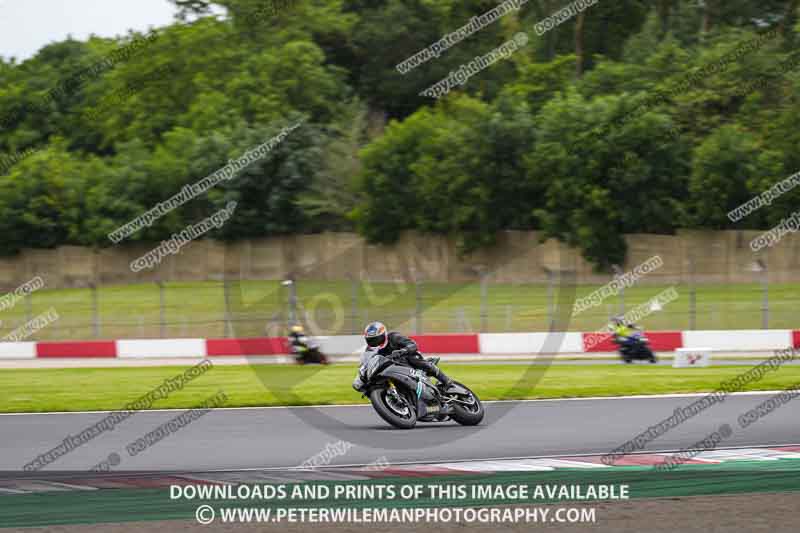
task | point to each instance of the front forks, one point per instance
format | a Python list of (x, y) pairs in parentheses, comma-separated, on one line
[(393, 390)]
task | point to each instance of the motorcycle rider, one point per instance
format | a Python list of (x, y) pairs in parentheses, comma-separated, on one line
[(623, 331), (304, 348), (396, 346)]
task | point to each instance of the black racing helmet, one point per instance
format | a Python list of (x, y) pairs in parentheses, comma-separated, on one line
[(375, 335)]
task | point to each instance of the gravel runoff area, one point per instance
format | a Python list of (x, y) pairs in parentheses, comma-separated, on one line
[(750, 513)]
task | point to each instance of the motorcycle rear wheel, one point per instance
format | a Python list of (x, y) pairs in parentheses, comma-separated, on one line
[(388, 408)]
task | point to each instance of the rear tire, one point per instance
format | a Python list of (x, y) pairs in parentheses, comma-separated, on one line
[(382, 406), (468, 415)]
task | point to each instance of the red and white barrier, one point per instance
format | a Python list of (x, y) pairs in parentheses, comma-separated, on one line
[(527, 343), (77, 349), (468, 344), (161, 348), (17, 350), (660, 341), (253, 346), (448, 344), (739, 340)]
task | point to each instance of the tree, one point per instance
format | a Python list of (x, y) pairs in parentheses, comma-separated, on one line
[(727, 171), (333, 194), (456, 169), (631, 179)]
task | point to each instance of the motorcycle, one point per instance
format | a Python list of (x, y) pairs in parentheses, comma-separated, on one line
[(308, 352), (635, 346), (403, 396)]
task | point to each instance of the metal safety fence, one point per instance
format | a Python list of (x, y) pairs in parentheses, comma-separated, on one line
[(249, 308)]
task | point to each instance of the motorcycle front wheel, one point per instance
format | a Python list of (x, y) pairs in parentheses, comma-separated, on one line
[(394, 407), (470, 411)]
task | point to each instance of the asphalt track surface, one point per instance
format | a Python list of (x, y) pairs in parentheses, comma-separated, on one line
[(257, 438)]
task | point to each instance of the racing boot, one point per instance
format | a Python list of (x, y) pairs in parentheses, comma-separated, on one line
[(445, 383), (429, 365)]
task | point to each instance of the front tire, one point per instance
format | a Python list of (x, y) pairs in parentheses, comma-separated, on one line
[(400, 415), (468, 415)]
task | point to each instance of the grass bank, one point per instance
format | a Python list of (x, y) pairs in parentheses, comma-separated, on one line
[(81, 389)]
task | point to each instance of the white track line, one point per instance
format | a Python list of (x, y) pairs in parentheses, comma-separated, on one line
[(484, 459), (333, 406)]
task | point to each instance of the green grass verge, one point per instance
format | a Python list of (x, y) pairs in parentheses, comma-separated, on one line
[(84, 389), (198, 308)]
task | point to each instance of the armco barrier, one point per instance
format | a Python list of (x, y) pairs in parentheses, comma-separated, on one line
[(149, 348), (665, 341), (17, 350), (739, 340), (660, 341), (258, 346), (530, 343), (468, 344), (76, 349), (598, 342), (436, 344), (341, 344)]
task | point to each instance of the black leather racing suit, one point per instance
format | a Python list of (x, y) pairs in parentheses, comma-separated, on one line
[(305, 348), (297, 341), (411, 355)]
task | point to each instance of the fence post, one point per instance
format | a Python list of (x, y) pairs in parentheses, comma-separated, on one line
[(418, 309), (765, 301), (550, 298), (354, 327), (617, 273), (162, 316), (759, 266), (292, 301), (228, 326), (95, 312), (28, 307), (692, 295), (462, 323), (484, 301)]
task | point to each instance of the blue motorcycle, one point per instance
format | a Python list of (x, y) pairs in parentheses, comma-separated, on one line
[(635, 346)]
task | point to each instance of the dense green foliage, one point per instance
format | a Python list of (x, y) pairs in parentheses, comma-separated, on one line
[(623, 119)]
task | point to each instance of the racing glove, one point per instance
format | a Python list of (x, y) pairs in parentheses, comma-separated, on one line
[(398, 353)]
